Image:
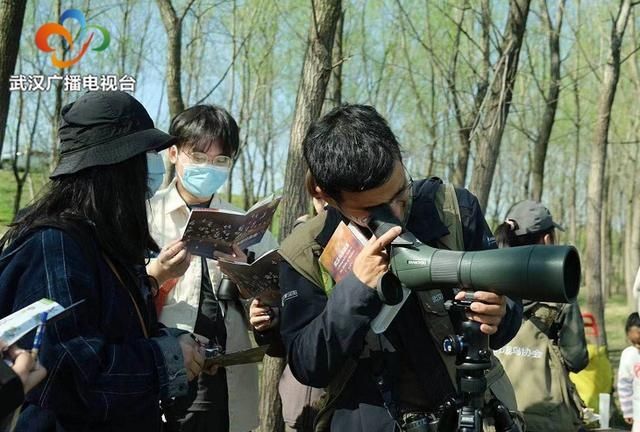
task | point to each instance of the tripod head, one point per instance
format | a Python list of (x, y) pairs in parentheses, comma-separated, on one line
[(467, 409)]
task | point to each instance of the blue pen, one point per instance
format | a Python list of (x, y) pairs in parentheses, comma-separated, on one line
[(37, 340)]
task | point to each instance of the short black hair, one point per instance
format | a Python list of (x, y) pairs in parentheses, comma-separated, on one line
[(632, 321), (350, 149), (198, 126)]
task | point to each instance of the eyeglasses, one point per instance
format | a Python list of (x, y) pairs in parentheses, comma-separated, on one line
[(199, 158), (404, 193)]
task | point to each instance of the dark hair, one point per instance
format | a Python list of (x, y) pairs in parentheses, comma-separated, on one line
[(632, 321), (506, 235), (350, 149), (198, 126), (110, 198)]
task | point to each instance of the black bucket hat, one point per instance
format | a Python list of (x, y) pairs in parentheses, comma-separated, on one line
[(104, 128)]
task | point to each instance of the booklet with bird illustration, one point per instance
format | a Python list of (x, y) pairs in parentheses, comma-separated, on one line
[(259, 278), (209, 230)]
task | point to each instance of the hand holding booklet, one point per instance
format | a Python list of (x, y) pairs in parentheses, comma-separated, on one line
[(257, 279), (209, 230), (13, 327), (251, 355), (337, 258)]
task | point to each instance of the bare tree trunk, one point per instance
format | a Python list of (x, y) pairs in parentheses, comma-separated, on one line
[(55, 120), (498, 102), (465, 127), (577, 122), (16, 155), (573, 229), (316, 70), (232, 92), (21, 179), (11, 18), (593, 276), (551, 100), (173, 27), (633, 225), (605, 238), (335, 83)]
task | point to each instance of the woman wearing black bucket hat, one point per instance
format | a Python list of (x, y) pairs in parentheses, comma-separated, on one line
[(85, 238)]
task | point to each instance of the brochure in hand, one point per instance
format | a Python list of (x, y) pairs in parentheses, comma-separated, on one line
[(209, 230), (258, 279), (13, 327), (337, 258), (344, 245), (251, 355)]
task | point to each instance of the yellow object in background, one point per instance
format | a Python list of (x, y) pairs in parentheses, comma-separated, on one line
[(596, 378)]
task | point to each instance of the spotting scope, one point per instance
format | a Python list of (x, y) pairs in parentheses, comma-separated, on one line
[(539, 272)]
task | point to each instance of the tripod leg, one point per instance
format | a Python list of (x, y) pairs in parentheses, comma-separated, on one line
[(470, 419), (502, 417)]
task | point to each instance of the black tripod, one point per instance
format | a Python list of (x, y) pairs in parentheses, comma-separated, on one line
[(466, 411)]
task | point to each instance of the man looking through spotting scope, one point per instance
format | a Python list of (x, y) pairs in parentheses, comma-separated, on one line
[(399, 378)]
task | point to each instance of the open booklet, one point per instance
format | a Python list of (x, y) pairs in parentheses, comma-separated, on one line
[(258, 279), (337, 258), (13, 327), (251, 355), (210, 229)]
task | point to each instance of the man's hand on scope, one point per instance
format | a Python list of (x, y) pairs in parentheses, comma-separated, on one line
[(487, 308), (373, 261)]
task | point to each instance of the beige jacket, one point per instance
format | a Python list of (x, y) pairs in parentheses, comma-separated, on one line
[(168, 215)]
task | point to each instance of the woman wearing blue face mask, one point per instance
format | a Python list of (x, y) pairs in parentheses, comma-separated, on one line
[(197, 301), (86, 239)]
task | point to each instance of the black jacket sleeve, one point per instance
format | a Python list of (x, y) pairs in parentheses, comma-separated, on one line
[(321, 333), (272, 338)]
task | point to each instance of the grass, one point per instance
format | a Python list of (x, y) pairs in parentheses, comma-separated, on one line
[(7, 196), (8, 193)]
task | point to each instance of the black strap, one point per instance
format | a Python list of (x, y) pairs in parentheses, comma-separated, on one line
[(383, 370)]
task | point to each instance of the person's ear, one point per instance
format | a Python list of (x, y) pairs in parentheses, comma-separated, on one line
[(548, 240), (319, 194), (173, 154)]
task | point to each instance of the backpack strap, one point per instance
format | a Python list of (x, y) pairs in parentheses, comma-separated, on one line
[(135, 303), (446, 202), (436, 317)]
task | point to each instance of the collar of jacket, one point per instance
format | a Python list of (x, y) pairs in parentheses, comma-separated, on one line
[(424, 221)]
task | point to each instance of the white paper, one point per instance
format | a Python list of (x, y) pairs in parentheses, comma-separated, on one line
[(604, 404), (21, 322)]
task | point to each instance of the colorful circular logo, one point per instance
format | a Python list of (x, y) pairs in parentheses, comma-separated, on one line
[(52, 29)]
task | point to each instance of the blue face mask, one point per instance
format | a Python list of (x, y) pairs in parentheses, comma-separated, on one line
[(155, 173), (203, 181)]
